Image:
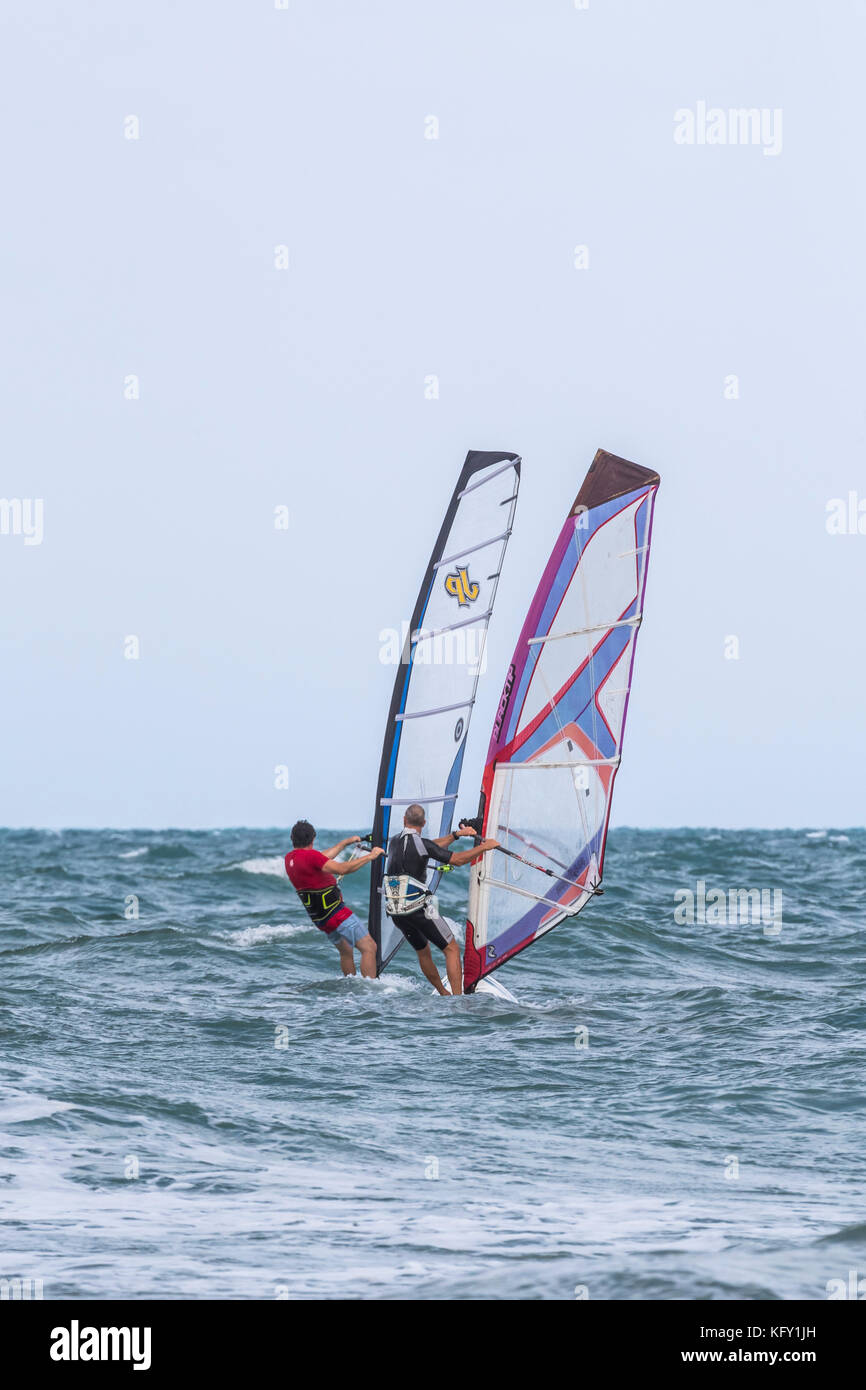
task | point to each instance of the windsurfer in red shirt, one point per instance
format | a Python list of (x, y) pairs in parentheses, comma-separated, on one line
[(313, 874)]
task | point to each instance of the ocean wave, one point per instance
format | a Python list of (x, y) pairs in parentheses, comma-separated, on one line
[(69, 943), (275, 867), (846, 1235), (215, 1039), (174, 850), (261, 935), (17, 1108)]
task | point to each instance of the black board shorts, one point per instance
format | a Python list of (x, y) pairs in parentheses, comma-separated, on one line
[(421, 931)]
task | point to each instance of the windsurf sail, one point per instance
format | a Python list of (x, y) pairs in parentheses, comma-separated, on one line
[(442, 657), (557, 735)]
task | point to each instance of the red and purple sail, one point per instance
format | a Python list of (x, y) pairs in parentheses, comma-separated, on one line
[(557, 736)]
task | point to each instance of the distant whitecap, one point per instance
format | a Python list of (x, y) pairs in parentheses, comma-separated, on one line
[(276, 867), (278, 931)]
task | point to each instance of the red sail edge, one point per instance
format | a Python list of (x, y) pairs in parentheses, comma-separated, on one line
[(471, 961)]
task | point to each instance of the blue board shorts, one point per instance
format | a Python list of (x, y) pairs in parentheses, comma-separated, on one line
[(351, 930)]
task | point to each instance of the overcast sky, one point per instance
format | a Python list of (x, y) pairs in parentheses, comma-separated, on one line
[(156, 156)]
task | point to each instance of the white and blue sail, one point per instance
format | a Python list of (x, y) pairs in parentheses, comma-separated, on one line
[(442, 658)]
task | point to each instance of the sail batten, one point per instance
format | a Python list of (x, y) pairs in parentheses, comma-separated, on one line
[(561, 718), (443, 655)]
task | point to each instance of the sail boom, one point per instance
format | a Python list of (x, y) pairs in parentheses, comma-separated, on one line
[(489, 479), (535, 897), (470, 550), (573, 762), (423, 635), (442, 709), (418, 799), (584, 631)]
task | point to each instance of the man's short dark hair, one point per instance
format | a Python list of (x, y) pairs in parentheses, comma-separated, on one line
[(303, 834), (414, 815)]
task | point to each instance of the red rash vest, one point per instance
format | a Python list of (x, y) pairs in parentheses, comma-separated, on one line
[(318, 891)]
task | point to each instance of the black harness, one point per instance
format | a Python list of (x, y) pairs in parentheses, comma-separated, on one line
[(321, 903)]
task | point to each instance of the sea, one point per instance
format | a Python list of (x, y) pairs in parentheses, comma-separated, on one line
[(195, 1103)]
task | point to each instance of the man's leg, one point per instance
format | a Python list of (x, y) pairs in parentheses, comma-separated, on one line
[(347, 956), (367, 947), (428, 966), (415, 928), (438, 933), (454, 968)]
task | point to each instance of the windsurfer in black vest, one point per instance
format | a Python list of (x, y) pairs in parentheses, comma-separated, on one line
[(313, 874), (408, 856)]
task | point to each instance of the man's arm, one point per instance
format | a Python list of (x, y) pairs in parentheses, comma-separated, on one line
[(462, 856), (343, 844), (466, 856), (438, 849), (351, 866), (444, 841), (464, 828), (469, 856)]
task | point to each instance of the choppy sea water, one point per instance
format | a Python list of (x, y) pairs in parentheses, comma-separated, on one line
[(195, 1104)]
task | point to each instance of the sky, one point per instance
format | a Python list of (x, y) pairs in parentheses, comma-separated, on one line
[(240, 239)]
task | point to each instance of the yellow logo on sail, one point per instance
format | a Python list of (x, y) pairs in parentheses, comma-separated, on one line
[(461, 587)]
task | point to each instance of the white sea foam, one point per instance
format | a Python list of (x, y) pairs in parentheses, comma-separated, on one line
[(395, 984), (275, 866), (276, 931), (134, 853), (20, 1106), (388, 984), (816, 834)]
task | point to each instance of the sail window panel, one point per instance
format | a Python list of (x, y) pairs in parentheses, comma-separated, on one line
[(603, 588), (484, 511)]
